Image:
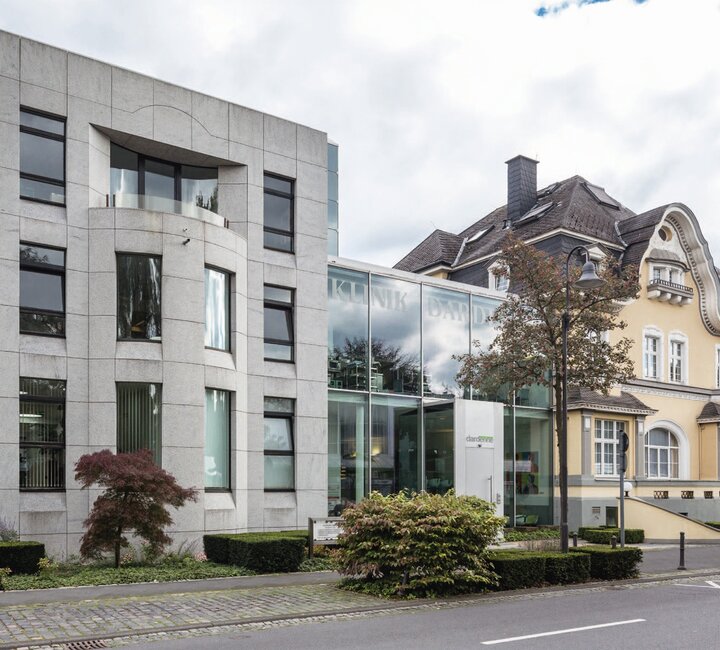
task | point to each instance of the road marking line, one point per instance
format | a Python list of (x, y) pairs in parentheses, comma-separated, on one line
[(710, 585), (567, 631)]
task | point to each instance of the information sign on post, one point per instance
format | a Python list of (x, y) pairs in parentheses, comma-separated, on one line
[(323, 531)]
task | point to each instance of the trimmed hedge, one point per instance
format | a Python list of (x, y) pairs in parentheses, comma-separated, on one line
[(713, 524), (523, 569), (274, 552), (612, 563), (21, 557), (604, 535)]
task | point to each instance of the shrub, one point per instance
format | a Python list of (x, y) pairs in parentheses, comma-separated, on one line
[(8, 532), (514, 535), (518, 569), (523, 569), (266, 552), (417, 545), (612, 563), (713, 524), (21, 557), (216, 548), (604, 535), (566, 568)]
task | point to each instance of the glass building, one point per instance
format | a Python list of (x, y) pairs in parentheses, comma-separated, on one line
[(392, 339)]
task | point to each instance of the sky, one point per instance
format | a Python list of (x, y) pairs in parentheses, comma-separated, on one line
[(428, 99)]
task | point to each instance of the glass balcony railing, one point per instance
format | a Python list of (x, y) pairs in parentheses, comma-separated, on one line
[(162, 204)]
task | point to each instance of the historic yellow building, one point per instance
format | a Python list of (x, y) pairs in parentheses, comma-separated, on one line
[(671, 410)]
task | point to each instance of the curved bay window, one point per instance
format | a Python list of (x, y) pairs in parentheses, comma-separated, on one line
[(42, 434), (42, 290), (139, 418), (138, 297), (661, 454)]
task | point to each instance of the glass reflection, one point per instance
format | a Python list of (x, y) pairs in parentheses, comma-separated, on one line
[(533, 467), (138, 283), (347, 450), (395, 459), (217, 309), (217, 439), (199, 186), (439, 448), (347, 329), (159, 179), (123, 171), (446, 332), (395, 327), (42, 156)]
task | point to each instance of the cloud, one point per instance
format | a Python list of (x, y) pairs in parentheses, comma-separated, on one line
[(550, 9), (427, 100)]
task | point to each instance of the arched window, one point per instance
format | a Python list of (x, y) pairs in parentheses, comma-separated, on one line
[(661, 454)]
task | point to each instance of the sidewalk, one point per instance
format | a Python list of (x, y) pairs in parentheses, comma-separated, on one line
[(54, 616)]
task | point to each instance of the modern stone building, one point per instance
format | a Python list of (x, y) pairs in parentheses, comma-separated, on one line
[(163, 271)]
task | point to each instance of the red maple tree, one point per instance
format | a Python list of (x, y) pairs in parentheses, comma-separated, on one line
[(135, 499)]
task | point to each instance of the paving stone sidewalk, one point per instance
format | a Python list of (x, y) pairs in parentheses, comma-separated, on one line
[(35, 624)]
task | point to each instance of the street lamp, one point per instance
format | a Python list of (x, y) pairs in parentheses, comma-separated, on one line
[(588, 280)]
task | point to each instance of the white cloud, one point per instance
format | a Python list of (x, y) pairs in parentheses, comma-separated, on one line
[(428, 100)]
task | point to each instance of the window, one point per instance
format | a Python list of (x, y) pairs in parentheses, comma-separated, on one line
[(661, 454), (217, 439), (717, 366), (138, 296), (502, 282), (217, 309), (139, 418), (279, 336), (651, 351), (657, 273), (279, 213), (279, 447), (42, 290), (677, 361), (42, 434), (607, 436), (496, 280), (159, 182), (42, 157)]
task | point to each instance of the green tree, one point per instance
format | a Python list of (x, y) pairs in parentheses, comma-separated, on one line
[(528, 341), (136, 494)]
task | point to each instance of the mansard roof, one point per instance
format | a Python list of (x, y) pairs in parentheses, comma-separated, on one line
[(571, 204)]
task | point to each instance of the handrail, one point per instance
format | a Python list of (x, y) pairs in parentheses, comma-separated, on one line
[(670, 285)]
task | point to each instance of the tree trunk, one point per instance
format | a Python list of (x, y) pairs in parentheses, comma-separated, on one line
[(117, 547)]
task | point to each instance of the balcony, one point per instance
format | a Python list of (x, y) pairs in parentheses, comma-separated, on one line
[(666, 291), (162, 204)]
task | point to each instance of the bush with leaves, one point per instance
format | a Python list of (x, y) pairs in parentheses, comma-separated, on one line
[(417, 545), (136, 494)]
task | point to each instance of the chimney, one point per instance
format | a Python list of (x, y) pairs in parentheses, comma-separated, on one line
[(521, 186)]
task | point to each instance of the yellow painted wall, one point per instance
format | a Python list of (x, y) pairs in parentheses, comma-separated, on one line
[(661, 524)]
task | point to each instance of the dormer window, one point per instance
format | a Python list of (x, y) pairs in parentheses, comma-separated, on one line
[(497, 280)]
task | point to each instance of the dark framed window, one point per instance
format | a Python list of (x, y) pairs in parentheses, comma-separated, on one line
[(279, 445), (135, 175), (42, 157), (42, 434), (279, 213), (42, 290), (139, 418), (279, 331), (139, 280), (217, 309), (217, 440)]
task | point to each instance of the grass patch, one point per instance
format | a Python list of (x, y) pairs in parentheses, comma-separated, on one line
[(79, 575)]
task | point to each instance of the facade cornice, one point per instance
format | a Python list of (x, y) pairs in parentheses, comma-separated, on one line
[(610, 409), (661, 389)]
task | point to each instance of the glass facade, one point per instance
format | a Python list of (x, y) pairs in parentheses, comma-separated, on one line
[(333, 199), (391, 380)]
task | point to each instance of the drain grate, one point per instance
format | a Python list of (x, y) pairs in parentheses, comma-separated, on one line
[(85, 645)]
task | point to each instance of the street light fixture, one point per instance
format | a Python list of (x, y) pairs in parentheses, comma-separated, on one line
[(588, 280)]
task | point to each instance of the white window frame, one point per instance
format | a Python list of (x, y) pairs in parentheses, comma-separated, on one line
[(497, 282), (663, 271), (657, 449), (656, 333), (682, 339), (601, 443)]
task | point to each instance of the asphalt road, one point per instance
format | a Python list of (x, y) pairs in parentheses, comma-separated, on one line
[(682, 614)]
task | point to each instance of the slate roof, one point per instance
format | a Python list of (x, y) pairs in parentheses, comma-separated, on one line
[(623, 403), (710, 412), (572, 206)]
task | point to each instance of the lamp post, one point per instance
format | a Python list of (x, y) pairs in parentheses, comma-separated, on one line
[(588, 280)]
